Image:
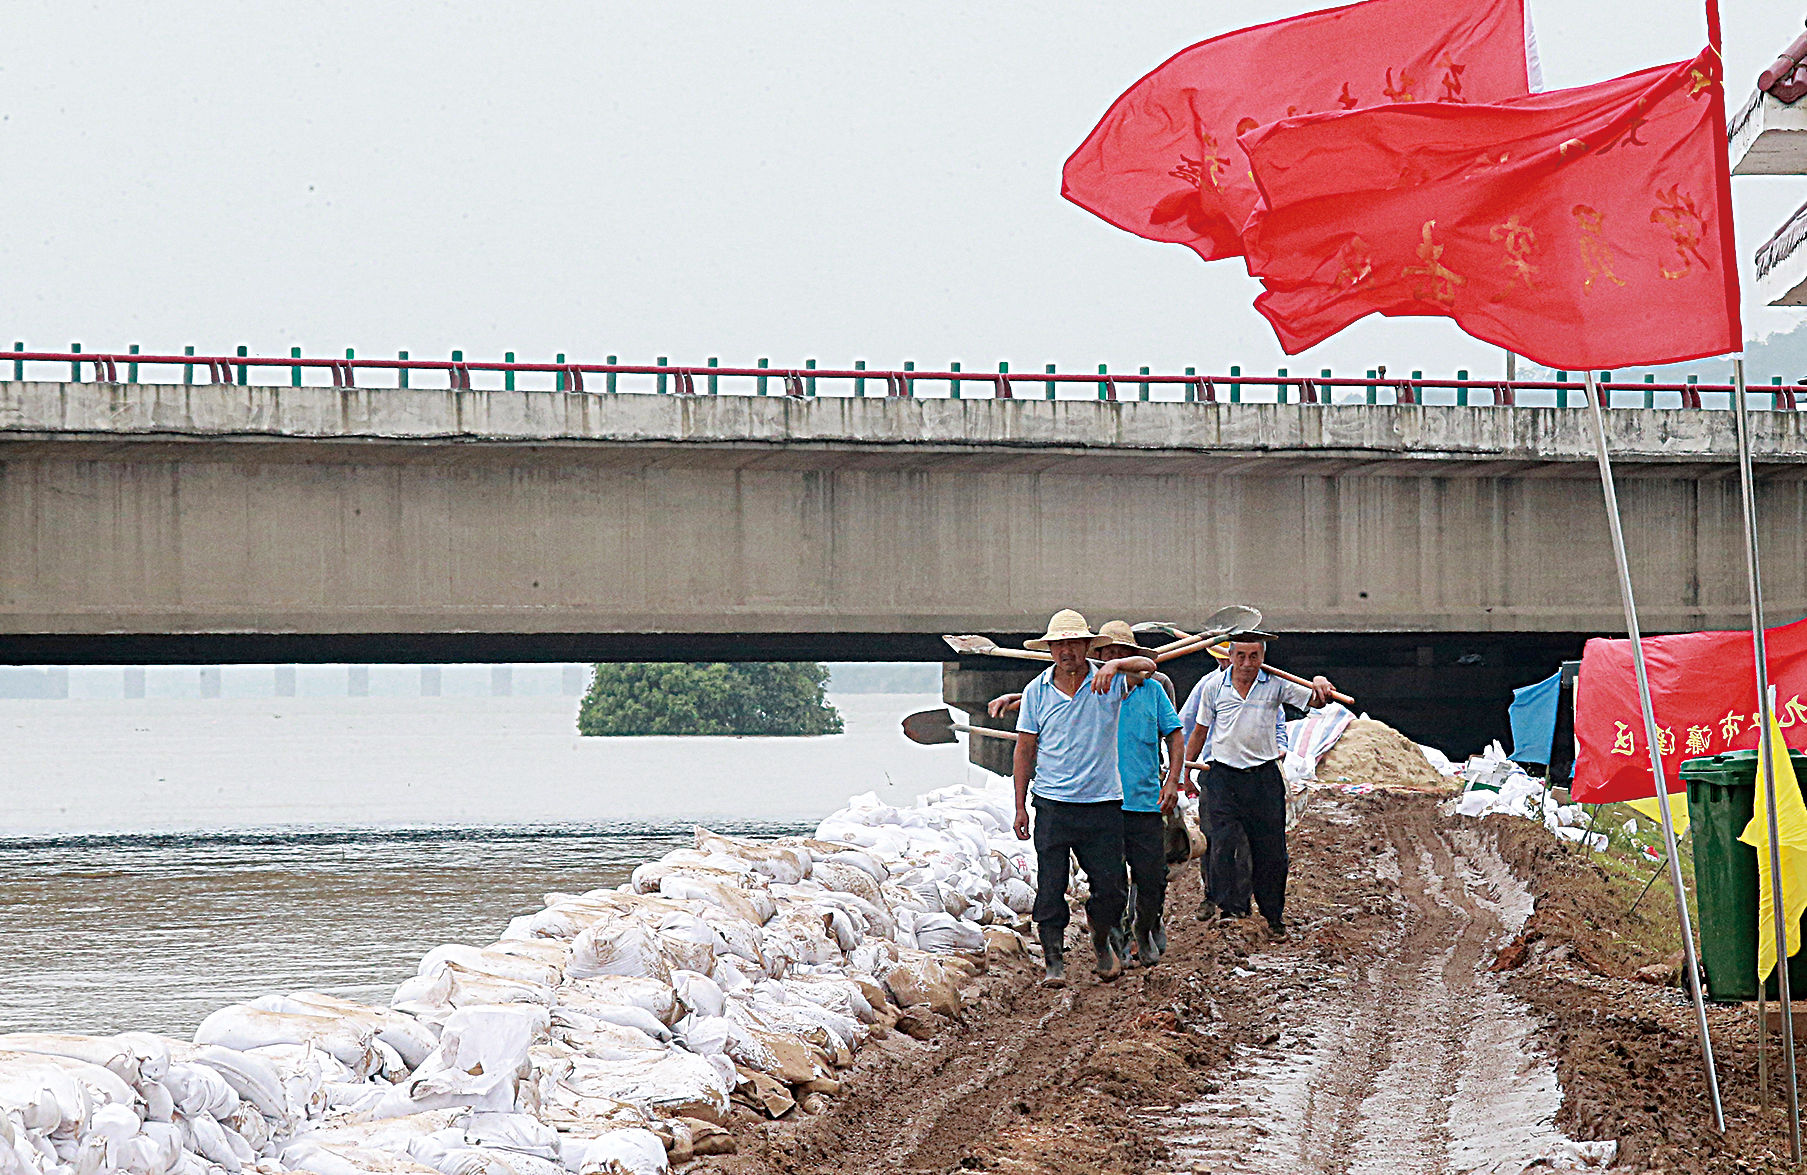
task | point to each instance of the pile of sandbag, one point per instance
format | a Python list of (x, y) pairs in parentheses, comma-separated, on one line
[(608, 1033)]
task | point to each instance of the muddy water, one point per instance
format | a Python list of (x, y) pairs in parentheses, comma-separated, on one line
[(1415, 1062), (105, 935), (162, 857)]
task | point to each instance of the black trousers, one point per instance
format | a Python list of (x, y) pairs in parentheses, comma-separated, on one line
[(1246, 808), (1094, 834), (1145, 851)]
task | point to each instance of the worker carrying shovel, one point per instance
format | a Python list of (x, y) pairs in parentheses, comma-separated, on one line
[(1240, 735), (1146, 722), (1066, 755)]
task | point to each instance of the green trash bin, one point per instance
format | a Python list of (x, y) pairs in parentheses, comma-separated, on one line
[(1721, 799)]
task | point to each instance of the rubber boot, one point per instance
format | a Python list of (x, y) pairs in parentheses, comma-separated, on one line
[(1053, 956), (1108, 966), (1148, 944)]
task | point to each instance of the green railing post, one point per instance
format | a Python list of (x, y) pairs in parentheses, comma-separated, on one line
[(953, 385), (909, 384), (1235, 389), (242, 352), (1280, 389), (1329, 393), (349, 354), (559, 385), (1049, 368), (188, 369), (75, 369), (1104, 389), (609, 383), (403, 371), (131, 369), (715, 389), (662, 361), (508, 386), (1142, 393), (1462, 393), (809, 387), (19, 364), (1189, 390), (1562, 394), (294, 372), (1650, 396), (859, 383), (762, 379), (1004, 369), (1606, 389), (1694, 379)]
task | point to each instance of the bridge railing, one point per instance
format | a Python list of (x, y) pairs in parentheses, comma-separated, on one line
[(665, 378)]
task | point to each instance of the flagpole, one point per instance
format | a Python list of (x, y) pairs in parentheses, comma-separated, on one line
[(1692, 972), (1766, 713)]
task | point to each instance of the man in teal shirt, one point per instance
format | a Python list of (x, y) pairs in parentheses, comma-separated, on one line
[(1145, 721)]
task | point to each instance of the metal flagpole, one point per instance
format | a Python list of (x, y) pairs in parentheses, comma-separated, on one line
[(1766, 711), (1692, 975)]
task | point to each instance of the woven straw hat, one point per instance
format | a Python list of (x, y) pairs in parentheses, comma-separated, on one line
[(1064, 625), (1118, 632)]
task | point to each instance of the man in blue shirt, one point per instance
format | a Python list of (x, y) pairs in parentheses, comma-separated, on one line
[(1146, 722), (1066, 754)]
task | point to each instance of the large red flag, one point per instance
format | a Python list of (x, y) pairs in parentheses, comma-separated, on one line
[(1703, 691), (1584, 228), (1163, 162)]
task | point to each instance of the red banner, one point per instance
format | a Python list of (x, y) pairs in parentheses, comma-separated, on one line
[(1703, 689), (1583, 228), (1163, 162)]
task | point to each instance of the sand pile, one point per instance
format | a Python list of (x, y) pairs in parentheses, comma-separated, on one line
[(1374, 753)]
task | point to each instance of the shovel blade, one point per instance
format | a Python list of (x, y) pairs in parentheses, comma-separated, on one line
[(930, 727), (970, 644)]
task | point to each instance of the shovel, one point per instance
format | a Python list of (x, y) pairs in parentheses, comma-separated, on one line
[(1226, 621), (934, 727), (1188, 644)]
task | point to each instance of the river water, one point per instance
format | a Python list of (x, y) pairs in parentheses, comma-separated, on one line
[(162, 857)]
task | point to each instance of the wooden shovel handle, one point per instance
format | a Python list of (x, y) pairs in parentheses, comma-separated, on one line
[(987, 731), (1345, 699)]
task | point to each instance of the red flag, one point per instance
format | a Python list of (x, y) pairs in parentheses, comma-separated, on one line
[(1163, 162), (1584, 228), (1703, 692)]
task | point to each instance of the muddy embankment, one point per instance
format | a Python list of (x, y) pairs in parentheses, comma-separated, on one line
[(1389, 1033)]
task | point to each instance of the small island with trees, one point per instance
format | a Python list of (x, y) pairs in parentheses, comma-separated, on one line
[(739, 698)]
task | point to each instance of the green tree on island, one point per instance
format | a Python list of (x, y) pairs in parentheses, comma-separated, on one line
[(775, 697)]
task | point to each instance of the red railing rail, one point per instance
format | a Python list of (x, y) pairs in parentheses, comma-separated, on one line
[(860, 381)]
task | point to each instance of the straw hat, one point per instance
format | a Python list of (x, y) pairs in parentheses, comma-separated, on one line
[(1118, 632), (1064, 625)]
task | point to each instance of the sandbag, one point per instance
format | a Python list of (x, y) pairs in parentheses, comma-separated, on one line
[(653, 995), (243, 1027), (618, 946), (699, 994), (620, 1152)]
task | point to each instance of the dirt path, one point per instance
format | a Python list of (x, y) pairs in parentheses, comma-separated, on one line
[(1416, 1063), (1376, 1039)]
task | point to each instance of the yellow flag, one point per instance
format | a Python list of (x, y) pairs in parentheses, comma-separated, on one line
[(1791, 828), (1678, 811)]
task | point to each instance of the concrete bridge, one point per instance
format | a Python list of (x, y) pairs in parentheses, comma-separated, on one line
[(222, 522)]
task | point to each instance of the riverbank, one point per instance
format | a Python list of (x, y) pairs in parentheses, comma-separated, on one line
[(1380, 1037)]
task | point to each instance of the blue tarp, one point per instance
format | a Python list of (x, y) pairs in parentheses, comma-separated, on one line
[(1533, 717)]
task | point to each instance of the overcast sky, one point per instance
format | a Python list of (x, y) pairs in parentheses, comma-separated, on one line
[(785, 179)]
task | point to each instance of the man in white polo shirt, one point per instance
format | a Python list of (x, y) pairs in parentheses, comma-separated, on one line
[(1066, 755), (1240, 735)]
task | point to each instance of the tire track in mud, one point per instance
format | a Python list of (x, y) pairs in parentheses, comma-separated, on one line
[(1416, 1064)]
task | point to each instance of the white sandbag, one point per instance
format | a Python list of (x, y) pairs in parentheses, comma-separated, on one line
[(687, 942), (567, 1017), (106, 1051), (778, 862), (653, 995), (521, 1133), (243, 1027), (410, 1038), (351, 1160), (841, 996), (944, 935), (699, 994), (481, 1056), (304, 1071), (498, 965), (200, 1089), (751, 905), (1018, 895), (665, 1081), (620, 1152), (618, 946), (550, 952), (205, 1137)]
